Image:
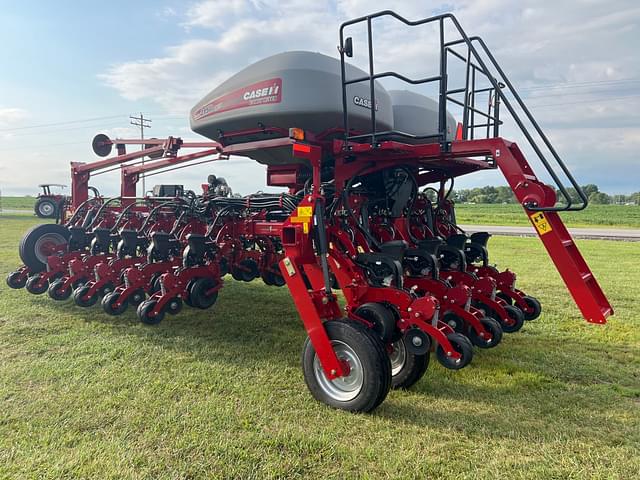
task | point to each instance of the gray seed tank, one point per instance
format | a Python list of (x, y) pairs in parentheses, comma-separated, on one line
[(418, 115), (292, 89)]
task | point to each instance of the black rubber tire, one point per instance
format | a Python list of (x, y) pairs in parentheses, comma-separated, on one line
[(33, 287), (16, 280), (173, 306), (78, 283), (370, 352), (516, 314), (411, 370), (154, 283), (494, 328), (107, 304), (250, 270), (143, 311), (383, 319), (27, 247), (236, 274), (198, 293), (106, 289), (78, 297), (508, 300), (57, 291), (460, 344), (267, 278), (40, 208), (455, 322), (137, 297), (535, 304)]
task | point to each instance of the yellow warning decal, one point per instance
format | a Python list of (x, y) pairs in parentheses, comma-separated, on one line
[(305, 228), (540, 222), (305, 211)]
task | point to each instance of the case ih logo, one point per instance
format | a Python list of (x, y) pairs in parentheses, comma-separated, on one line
[(260, 93), (364, 102)]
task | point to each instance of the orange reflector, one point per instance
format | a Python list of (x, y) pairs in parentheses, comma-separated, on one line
[(459, 131), (301, 148), (296, 133)]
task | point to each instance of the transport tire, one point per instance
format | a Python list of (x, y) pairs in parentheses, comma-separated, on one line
[(406, 367), (535, 306), (33, 285), (198, 293), (79, 297), (108, 302), (46, 208), (144, 313), (494, 328), (58, 291), (383, 320), (16, 280), (39, 242), (460, 344), (369, 380)]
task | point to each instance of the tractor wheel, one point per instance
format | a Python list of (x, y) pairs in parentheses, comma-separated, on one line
[(16, 280), (59, 291), (144, 313), (46, 208), (39, 243), (383, 320), (460, 344), (493, 327), (535, 306), (34, 286), (455, 322), (198, 293), (79, 297), (517, 316), (369, 378), (108, 304), (406, 367)]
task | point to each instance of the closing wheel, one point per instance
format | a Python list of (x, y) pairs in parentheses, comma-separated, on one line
[(16, 280), (267, 277), (517, 316), (173, 306), (248, 270), (137, 297), (369, 377), (144, 313), (534, 305), (106, 289), (406, 367), (383, 320), (508, 300), (80, 296), (493, 327), (108, 304), (59, 291), (154, 283), (46, 208), (199, 295), (455, 322), (39, 243), (34, 286), (460, 344)]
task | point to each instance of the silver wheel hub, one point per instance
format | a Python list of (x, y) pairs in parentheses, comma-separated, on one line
[(46, 208), (344, 388), (398, 357), (47, 240)]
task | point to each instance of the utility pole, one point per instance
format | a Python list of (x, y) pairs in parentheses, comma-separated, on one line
[(142, 123)]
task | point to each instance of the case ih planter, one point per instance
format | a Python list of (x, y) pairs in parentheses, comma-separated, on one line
[(368, 174)]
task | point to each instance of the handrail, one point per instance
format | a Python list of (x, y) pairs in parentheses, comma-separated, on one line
[(474, 62)]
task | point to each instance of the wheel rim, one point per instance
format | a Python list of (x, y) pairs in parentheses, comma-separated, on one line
[(46, 209), (346, 388), (45, 245), (398, 357)]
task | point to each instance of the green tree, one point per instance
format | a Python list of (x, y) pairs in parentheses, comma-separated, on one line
[(599, 198)]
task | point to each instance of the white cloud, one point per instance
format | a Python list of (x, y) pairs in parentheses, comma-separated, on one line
[(10, 115)]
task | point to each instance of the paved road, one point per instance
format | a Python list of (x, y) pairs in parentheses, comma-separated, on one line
[(627, 235)]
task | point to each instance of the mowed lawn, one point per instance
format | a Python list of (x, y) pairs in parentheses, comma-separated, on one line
[(220, 393)]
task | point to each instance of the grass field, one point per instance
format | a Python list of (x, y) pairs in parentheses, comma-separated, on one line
[(18, 203), (624, 216), (220, 393)]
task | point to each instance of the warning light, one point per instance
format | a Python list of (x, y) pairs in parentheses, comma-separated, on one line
[(296, 133)]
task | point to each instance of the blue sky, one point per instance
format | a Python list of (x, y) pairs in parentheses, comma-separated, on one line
[(576, 62)]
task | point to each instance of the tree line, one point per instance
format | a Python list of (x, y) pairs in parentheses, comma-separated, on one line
[(504, 194)]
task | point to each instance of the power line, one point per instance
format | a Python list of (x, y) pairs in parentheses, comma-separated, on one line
[(142, 123), (56, 124)]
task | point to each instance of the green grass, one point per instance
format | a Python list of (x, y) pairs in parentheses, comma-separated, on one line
[(18, 203), (625, 216), (220, 394)]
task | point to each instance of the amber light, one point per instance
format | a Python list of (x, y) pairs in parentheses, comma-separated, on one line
[(296, 133)]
